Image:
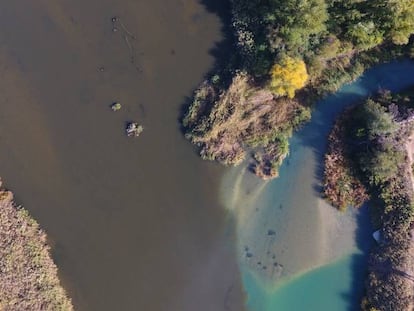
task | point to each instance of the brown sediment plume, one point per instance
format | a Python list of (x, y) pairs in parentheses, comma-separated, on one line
[(28, 275)]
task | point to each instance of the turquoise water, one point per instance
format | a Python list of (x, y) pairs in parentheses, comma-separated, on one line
[(309, 292), (336, 286), (297, 252)]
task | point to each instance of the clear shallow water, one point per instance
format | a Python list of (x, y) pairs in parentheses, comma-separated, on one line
[(325, 288), (297, 252)]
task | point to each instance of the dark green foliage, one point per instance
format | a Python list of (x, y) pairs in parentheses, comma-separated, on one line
[(336, 75), (380, 164), (316, 30), (378, 122), (268, 29), (368, 23), (372, 132), (376, 136)]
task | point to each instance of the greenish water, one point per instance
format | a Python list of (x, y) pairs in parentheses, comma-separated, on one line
[(305, 292), (295, 251), (335, 286)]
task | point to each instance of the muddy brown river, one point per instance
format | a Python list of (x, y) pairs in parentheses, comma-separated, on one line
[(135, 223)]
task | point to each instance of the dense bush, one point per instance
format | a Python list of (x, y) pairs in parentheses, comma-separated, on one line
[(372, 139), (288, 76), (342, 186)]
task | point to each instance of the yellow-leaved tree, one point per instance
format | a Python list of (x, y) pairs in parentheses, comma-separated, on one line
[(287, 76)]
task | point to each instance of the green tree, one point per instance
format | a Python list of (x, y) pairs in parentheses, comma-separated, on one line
[(296, 21), (365, 35), (378, 121), (396, 18)]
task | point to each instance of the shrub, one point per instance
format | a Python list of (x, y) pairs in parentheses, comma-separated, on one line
[(287, 76)]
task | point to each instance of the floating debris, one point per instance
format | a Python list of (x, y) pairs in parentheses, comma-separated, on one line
[(116, 106), (134, 129)]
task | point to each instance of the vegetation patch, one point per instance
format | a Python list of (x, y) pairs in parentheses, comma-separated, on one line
[(342, 187), (373, 145), (243, 119), (289, 54), (28, 276)]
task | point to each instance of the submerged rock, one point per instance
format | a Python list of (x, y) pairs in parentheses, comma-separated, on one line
[(271, 232), (134, 129)]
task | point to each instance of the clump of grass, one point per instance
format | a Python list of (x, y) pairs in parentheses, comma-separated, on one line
[(229, 123), (116, 106), (342, 188)]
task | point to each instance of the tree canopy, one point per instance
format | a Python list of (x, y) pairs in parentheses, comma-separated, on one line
[(297, 28), (287, 76)]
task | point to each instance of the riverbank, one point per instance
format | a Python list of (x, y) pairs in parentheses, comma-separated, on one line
[(376, 141), (409, 148), (28, 275), (286, 62)]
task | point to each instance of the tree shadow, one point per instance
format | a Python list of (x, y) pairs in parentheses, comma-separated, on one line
[(223, 52), (359, 262)]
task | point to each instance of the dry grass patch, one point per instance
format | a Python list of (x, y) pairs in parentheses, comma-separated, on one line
[(228, 124), (28, 276)]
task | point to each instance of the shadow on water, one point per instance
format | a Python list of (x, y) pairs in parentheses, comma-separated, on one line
[(221, 51), (359, 270), (322, 125)]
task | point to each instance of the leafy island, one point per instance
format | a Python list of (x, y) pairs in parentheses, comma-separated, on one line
[(28, 276), (370, 155), (289, 53)]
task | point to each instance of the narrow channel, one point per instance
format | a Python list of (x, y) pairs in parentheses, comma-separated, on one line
[(295, 251)]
